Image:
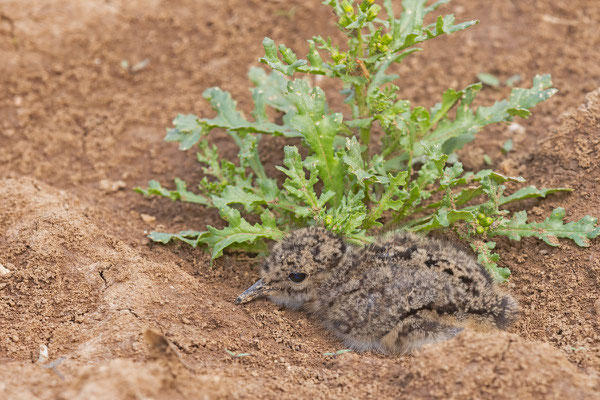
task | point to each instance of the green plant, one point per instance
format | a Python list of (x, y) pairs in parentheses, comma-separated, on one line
[(413, 182)]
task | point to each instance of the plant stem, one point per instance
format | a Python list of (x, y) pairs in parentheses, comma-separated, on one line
[(363, 112), (360, 95), (411, 145)]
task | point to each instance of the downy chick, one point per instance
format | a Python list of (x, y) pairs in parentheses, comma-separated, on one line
[(392, 296)]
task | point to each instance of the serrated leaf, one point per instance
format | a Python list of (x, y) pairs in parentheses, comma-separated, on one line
[(393, 198), (239, 231), (187, 131), (408, 29), (450, 175), (353, 159), (291, 63), (347, 218), (443, 218), (488, 259), (180, 192), (186, 123), (209, 155), (521, 100), (433, 167), (274, 87), (496, 177), (298, 186), (453, 134), (319, 130), (530, 192), (237, 195), (381, 78), (447, 132), (229, 118), (466, 195), (550, 229), (248, 155), (190, 237), (449, 217)]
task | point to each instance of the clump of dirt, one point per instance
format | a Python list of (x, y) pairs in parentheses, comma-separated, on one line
[(81, 293), (499, 366)]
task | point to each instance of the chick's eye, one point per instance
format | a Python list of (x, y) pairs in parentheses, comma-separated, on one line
[(297, 277)]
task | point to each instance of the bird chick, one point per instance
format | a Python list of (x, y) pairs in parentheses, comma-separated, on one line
[(392, 296)]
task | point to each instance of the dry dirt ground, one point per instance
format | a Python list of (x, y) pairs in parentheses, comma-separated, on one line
[(80, 277)]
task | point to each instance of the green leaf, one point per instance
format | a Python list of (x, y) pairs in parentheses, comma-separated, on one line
[(180, 192), (347, 218), (190, 237), (291, 63), (496, 177), (409, 30), (443, 218), (240, 231), (187, 131), (450, 175), (512, 80), (432, 169), (530, 192), (488, 79), (466, 195), (232, 120), (300, 188), (521, 100), (550, 229), (392, 198), (319, 130), (507, 146), (463, 126), (359, 123), (248, 155), (337, 353), (238, 195), (273, 87), (381, 66), (353, 159), (237, 355), (488, 259), (449, 99), (453, 134)]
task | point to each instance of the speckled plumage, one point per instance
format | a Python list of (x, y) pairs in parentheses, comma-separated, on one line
[(392, 296)]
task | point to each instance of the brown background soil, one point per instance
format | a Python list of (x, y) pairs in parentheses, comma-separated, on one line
[(84, 281)]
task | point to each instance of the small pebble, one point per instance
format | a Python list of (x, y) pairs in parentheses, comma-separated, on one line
[(148, 218), (111, 186), (4, 270)]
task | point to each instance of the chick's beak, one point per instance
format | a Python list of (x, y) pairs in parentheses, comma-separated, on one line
[(259, 289)]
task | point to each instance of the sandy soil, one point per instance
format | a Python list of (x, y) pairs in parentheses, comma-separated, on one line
[(124, 318)]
